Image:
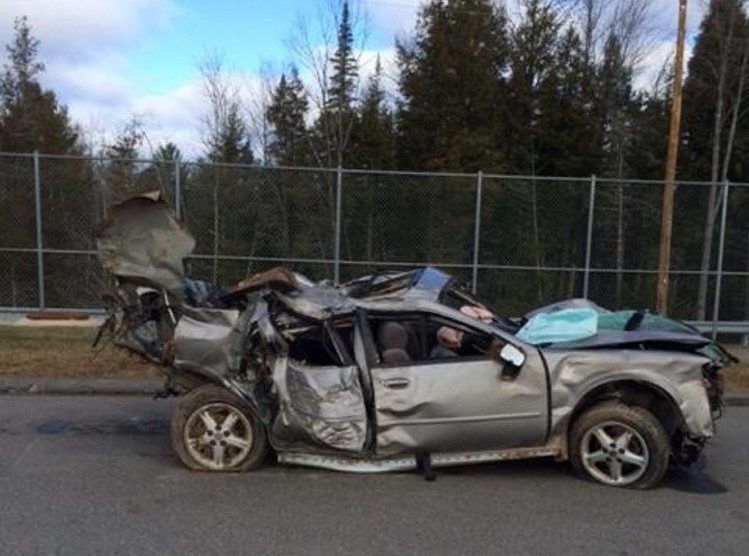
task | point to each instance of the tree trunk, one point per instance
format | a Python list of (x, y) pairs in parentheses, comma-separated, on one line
[(215, 229), (734, 116), (536, 249), (746, 284), (619, 244), (711, 212), (370, 223)]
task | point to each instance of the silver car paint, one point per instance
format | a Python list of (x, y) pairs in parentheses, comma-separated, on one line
[(431, 414), (573, 374), (459, 405)]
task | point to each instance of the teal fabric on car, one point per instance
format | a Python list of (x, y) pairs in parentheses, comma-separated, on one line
[(616, 320), (566, 325)]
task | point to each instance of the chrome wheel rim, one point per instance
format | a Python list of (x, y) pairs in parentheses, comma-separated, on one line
[(614, 453), (218, 436)]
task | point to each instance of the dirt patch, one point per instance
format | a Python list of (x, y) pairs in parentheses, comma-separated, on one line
[(63, 352)]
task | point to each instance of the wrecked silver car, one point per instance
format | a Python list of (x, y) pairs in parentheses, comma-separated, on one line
[(398, 370)]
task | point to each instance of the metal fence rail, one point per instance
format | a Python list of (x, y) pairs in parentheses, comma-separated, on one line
[(516, 241)]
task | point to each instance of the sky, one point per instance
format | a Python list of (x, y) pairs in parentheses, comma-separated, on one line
[(108, 60)]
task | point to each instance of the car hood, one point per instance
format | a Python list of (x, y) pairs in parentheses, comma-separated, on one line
[(639, 329)]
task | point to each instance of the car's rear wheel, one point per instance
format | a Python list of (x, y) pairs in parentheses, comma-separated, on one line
[(619, 445), (214, 430)]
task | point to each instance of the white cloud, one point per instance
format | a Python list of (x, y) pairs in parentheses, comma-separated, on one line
[(393, 17), (84, 45), (173, 115), (70, 28)]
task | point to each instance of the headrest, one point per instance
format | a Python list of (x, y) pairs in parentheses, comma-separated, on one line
[(392, 335)]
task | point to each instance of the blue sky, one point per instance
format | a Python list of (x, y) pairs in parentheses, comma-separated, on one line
[(249, 32), (110, 59)]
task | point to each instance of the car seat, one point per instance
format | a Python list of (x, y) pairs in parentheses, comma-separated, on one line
[(392, 339)]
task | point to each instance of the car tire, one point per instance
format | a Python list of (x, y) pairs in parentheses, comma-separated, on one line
[(213, 429), (619, 445)]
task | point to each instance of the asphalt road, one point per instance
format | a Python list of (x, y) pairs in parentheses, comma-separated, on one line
[(95, 475)]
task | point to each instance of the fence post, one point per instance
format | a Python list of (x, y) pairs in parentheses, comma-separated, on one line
[(39, 243), (476, 234), (589, 239), (177, 189), (337, 231), (721, 243)]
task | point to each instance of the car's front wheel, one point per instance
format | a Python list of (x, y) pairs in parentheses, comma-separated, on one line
[(213, 430), (619, 445)]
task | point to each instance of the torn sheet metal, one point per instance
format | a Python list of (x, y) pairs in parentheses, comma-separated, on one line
[(202, 340), (277, 278), (144, 243), (318, 302), (318, 406)]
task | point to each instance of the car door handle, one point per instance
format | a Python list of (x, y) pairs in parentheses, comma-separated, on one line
[(396, 383)]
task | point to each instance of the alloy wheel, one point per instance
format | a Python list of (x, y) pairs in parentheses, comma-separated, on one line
[(218, 436), (614, 453)]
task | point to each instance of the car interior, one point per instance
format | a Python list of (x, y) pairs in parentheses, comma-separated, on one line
[(414, 339)]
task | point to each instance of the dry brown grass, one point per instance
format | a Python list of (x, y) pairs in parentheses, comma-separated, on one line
[(65, 352), (737, 376)]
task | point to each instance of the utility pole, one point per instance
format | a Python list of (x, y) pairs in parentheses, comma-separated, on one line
[(667, 212)]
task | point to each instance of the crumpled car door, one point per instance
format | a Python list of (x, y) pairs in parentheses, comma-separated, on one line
[(318, 407)]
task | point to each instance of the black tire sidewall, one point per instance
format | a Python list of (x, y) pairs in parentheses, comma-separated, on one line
[(200, 397), (640, 419)]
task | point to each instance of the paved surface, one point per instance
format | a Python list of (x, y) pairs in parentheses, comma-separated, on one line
[(77, 386), (95, 475)]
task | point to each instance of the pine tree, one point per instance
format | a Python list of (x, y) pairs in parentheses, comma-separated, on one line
[(715, 100), (162, 170), (332, 130), (532, 61), (373, 137), (30, 117), (563, 128), (287, 114), (230, 142), (121, 172), (167, 153), (723, 36), (452, 85), (342, 89), (616, 107), (226, 134)]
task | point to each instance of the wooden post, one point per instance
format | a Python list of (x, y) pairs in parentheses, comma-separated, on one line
[(667, 212)]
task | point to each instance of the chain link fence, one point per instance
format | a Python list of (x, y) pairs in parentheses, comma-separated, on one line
[(517, 241)]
